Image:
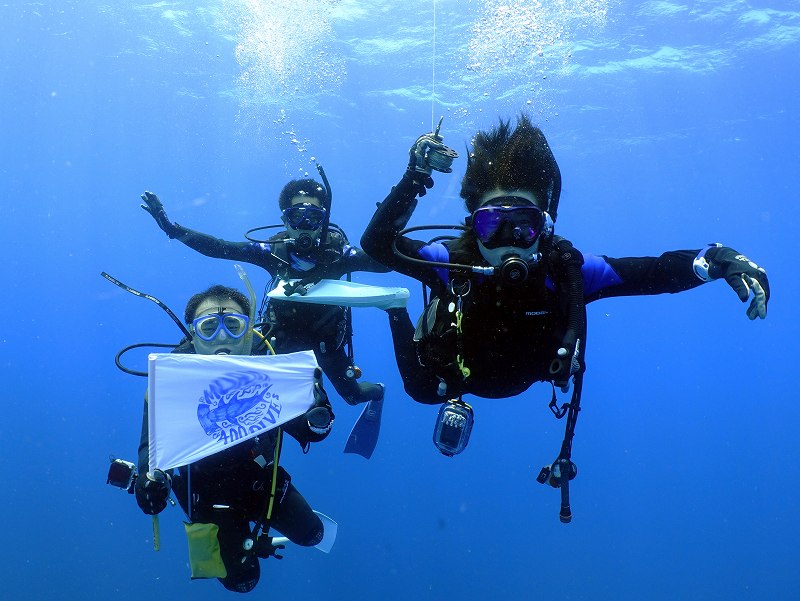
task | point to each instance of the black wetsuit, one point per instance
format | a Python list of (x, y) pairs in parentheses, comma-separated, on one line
[(240, 478), (510, 335), (302, 326)]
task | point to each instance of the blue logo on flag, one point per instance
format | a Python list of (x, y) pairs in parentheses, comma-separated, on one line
[(238, 404)]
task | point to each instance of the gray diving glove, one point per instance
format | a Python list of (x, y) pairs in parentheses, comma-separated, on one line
[(744, 276), (426, 155), (153, 206)]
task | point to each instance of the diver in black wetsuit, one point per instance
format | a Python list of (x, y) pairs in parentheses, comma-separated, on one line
[(506, 312), (308, 250), (231, 488)]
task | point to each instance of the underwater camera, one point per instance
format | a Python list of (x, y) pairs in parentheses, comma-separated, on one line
[(453, 427), (441, 159), (122, 474)]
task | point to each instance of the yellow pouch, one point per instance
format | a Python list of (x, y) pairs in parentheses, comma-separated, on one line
[(204, 556)]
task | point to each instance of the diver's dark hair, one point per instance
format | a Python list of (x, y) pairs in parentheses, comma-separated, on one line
[(518, 159), (303, 187), (216, 292)]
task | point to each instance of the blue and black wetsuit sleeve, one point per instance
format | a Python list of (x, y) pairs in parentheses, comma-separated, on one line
[(669, 273), (357, 260), (391, 216), (247, 252)]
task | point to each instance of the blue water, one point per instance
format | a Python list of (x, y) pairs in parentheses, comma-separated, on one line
[(674, 125)]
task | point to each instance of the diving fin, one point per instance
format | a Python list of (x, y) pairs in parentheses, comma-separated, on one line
[(364, 435), (328, 538)]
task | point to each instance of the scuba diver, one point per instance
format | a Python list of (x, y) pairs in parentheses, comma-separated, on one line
[(224, 492), (310, 249), (508, 296)]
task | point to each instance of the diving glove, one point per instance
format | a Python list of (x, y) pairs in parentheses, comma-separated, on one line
[(320, 420), (320, 417), (153, 205), (422, 152), (426, 155), (418, 172), (152, 491), (265, 548), (744, 276), (429, 153)]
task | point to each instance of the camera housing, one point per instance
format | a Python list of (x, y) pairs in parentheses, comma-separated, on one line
[(122, 474), (453, 427)]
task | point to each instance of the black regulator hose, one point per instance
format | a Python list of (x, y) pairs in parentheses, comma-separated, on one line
[(130, 347), (565, 514), (457, 267), (149, 297)]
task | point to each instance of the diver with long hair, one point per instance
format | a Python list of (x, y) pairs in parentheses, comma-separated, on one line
[(508, 295), (511, 272)]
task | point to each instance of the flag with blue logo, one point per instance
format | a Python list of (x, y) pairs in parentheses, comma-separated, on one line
[(199, 405)]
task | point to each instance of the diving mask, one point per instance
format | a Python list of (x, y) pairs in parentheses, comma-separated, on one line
[(208, 327), (508, 229), (503, 224), (304, 216)]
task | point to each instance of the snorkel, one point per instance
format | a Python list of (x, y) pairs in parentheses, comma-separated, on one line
[(327, 203), (248, 337)]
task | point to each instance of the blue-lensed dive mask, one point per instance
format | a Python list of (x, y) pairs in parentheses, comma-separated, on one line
[(505, 222), (304, 216), (208, 327)]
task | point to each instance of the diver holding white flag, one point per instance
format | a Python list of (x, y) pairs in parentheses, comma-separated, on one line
[(310, 247), (240, 403)]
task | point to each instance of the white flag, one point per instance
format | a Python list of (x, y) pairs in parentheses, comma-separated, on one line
[(199, 405)]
